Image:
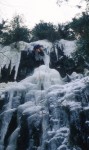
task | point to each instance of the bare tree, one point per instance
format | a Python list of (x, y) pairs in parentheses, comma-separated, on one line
[(79, 5)]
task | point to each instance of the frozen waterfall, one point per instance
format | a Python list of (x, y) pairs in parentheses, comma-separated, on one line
[(42, 112), (27, 97)]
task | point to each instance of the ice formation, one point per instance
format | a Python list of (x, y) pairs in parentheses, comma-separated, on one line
[(12, 53), (42, 112), (68, 46), (39, 105)]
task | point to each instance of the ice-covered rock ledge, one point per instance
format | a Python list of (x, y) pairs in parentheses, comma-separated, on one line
[(43, 113), (17, 61)]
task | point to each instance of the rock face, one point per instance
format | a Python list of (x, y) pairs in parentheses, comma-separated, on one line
[(63, 64), (61, 58), (27, 65)]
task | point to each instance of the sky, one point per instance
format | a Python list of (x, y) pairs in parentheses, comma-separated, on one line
[(35, 10)]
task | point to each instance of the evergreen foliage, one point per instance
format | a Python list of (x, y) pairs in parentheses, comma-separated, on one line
[(52, 33), (17, 32), (45, 31), (65, 32), (3, 28), (81, 29)]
